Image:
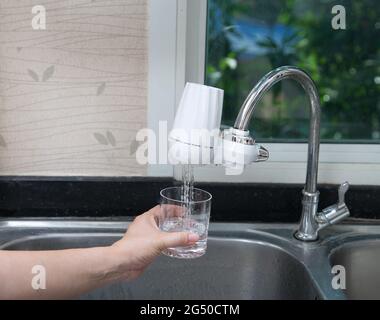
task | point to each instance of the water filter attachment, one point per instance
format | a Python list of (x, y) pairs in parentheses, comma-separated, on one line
[(236, 149), (196, 127)]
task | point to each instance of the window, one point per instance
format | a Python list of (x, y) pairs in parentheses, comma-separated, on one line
[(205, 46), (246, 39)]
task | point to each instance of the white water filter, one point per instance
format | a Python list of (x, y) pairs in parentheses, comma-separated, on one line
[(196, 125)]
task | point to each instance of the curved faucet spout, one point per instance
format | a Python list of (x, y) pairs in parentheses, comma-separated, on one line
[(266, 83), (311, 221)]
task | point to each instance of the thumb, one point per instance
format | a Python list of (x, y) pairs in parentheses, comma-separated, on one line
[(177, 239)]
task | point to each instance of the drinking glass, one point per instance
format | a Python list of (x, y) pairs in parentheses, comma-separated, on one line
[(178, 214)]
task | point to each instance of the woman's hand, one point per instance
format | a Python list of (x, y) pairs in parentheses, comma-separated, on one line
[(143, 242), (72, 272)]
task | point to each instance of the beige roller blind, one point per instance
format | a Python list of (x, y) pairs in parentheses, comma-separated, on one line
[(73, 95)]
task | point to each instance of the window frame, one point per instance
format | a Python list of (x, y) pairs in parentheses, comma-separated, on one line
[(184, 49)]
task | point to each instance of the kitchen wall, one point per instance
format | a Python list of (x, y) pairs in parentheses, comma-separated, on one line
[(72, 96)]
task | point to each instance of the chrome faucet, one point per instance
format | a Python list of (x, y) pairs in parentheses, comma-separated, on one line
[(311, 220)]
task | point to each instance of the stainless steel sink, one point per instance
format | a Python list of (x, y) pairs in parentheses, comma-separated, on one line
[(361, 260), (243, 261)]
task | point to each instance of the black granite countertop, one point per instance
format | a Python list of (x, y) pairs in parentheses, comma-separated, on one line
[(110, 197)]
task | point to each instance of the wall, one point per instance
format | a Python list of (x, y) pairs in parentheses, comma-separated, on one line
[(72, 96)]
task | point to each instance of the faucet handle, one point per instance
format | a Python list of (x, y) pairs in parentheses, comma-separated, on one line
[(336, 212), (343, 188)]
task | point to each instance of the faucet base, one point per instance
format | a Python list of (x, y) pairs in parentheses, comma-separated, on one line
[(308, 228), (305, 237)]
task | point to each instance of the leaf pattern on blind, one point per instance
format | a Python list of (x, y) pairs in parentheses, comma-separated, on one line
[(73, 96)]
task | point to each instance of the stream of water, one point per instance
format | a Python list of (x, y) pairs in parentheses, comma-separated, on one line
[(187, 192)]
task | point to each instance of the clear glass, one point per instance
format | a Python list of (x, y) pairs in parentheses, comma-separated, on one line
[(177, 215), (248, 38)]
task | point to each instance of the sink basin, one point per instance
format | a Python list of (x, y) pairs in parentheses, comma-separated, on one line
[(238, 265), (361, 260), (243, 260)]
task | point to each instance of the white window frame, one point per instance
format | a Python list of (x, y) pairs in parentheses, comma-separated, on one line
[(177, 48)]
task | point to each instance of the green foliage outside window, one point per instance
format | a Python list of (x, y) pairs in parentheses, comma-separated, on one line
[(248, 38)]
